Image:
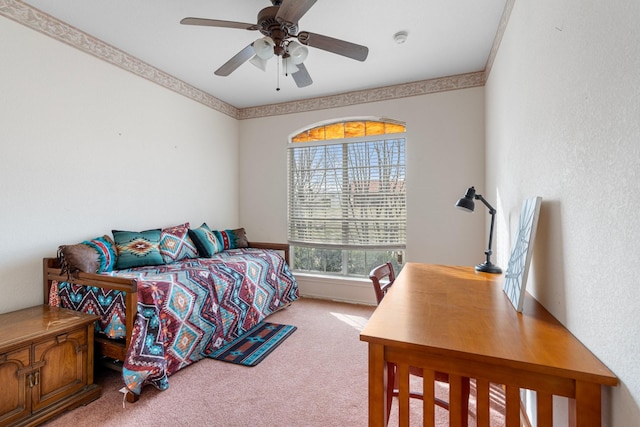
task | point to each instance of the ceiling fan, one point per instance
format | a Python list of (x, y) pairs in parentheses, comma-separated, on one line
[(279, 26)]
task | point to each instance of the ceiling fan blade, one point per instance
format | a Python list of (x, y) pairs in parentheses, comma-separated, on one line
[(292, 10), (218, 23), (302, 77), (341, 47), (238, 59)]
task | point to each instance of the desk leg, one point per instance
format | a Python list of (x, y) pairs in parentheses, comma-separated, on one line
[(586, 409), (377, 386)]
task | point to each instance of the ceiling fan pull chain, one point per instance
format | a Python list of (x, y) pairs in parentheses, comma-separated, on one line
[(278, 76)]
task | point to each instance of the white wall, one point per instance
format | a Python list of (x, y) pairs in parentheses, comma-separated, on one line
[(86, 147), (563, 122), (445, 155)]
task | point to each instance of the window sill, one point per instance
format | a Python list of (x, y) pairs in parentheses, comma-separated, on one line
[(338, 288), (320, 276)]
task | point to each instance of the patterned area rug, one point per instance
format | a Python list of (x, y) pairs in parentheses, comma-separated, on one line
[(255, 345)]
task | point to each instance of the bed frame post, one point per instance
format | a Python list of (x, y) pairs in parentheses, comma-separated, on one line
[(45, 280)]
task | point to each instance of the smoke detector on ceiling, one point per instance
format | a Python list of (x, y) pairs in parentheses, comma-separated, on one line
[(400, 37)]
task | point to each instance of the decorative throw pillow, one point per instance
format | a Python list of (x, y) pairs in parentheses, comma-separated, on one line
[(205, 241), (175, 244), (232, 239), (137, 249), (91, 256)]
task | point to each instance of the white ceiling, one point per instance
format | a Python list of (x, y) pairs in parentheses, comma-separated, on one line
[(445, 38)]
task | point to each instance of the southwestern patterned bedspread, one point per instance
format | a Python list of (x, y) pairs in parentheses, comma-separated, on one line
[(187, 309)]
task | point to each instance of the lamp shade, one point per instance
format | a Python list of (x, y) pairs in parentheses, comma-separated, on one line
[(288, 67), (467, 203), (297, 52), (264, 47), (259, 62)]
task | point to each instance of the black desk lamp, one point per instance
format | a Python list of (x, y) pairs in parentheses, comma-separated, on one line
[(467, 204)]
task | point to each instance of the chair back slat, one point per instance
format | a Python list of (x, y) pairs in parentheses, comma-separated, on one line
[(382, 278)]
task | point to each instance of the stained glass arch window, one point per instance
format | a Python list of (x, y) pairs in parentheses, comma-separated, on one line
[(347, 196), (348, 129)]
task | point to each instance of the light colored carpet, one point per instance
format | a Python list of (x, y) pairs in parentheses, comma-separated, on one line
[(317, 377)]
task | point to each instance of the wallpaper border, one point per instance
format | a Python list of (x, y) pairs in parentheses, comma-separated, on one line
[(46, 24), (422, 87), (502, 27), (39, 21)]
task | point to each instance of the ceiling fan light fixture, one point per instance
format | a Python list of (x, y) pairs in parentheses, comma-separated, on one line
[(288, 67), (259, 62), (297, 52), (278, 24), (264, 47)]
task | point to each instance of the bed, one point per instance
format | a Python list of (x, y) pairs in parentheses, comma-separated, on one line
[(158, 319)]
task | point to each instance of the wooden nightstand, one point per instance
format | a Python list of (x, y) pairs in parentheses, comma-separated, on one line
[(46, 363)]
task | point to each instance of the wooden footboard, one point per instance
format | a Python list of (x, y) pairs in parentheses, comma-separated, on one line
[(115, 349)]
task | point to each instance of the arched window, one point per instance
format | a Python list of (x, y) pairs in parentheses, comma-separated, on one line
[(347, 196)]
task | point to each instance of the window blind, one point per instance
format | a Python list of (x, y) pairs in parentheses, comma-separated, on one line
[(349, 194)]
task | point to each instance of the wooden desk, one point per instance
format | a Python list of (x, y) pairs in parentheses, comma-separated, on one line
[(456, 320)]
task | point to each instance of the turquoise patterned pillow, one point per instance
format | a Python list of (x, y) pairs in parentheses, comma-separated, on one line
[(175, 244), (137, 249), (205, 241), (232, 239)]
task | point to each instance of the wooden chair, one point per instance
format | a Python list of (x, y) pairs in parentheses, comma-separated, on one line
[(379, 274), (382, 278)]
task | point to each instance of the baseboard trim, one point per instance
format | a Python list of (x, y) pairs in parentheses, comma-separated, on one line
[(352, 290)]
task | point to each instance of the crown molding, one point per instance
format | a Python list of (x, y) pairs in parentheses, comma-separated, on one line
[(502, 27), (37, 20), (422, 87), (46, 24)]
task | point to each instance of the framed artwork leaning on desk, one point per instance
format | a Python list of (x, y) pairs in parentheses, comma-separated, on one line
[(515, 281)]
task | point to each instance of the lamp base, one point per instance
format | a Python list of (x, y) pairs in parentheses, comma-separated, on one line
[(489, 267)]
